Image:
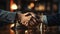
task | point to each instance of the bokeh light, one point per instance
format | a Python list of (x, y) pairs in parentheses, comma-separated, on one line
[(40, 8), (12, 25), (31, 6), (14, 6)]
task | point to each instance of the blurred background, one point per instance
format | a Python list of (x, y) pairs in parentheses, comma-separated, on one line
[(47, 7)]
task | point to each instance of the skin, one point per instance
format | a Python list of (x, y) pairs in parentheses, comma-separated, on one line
[(24, 18), (28, 17)]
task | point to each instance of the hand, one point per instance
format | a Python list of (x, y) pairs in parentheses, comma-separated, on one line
[(35, 20), (29, 19), (24, 18)]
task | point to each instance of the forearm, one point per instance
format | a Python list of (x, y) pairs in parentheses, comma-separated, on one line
[(52, 20), (7, 16)]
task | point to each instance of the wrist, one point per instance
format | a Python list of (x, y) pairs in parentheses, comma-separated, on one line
[(17, 16)]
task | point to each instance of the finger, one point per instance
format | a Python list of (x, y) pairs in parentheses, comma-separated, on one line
[(26, 13), (32, 14)]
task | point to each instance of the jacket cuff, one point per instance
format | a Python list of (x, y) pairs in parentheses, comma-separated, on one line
[(12, 17)]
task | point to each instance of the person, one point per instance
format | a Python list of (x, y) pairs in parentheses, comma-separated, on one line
[(51, 20), (10, 17)]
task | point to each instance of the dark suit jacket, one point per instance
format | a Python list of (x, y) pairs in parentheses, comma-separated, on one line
[(6, 17), (9, 17), (53, 20)]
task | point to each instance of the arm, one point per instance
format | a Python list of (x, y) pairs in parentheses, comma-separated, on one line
[(7, 16), (52, 20)]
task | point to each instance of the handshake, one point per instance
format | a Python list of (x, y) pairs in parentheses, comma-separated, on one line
[(29, 19)]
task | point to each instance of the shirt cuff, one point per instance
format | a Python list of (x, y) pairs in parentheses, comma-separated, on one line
[(45, 19)]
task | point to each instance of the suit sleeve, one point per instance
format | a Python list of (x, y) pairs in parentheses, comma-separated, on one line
[(52, 20), (6, 16)]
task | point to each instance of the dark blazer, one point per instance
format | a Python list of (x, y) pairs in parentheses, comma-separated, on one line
[(6, 17), (9, 17), (53, 20)]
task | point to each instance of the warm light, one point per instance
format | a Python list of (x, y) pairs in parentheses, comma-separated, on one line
[(12, 25), (41, 8), (26, 31), (31, 5), (14, 6), (12, 32)]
